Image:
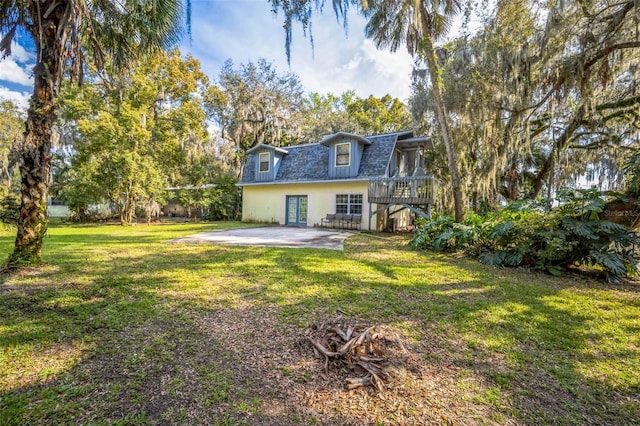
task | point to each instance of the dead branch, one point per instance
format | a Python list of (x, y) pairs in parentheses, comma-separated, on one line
[(367, 351)]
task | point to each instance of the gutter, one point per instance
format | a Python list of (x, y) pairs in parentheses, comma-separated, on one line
[(302, 182)]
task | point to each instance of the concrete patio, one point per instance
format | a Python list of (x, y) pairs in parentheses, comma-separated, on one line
[(273, 236)]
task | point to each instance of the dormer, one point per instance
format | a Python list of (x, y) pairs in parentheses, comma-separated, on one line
[(268, 159), (345, 153)]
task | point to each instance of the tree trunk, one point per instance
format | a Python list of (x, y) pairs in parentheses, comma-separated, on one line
[(512, 182), (34, 173), (558, 147), (127, 212), (436, 83), (36, 151)]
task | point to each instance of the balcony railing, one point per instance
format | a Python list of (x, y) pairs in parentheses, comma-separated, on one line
[(417, 190)]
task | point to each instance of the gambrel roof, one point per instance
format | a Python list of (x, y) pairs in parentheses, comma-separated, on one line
[(310, 162)]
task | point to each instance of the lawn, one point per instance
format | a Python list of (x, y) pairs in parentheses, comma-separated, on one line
[(121, 327)]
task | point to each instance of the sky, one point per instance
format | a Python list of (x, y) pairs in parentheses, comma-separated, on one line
[(246, 30)]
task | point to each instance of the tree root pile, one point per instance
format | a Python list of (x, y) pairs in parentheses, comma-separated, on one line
[(369, 355)]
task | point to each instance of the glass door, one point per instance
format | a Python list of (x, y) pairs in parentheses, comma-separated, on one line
[(297, 210)]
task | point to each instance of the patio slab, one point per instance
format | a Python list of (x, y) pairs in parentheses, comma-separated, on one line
[(273, 236)]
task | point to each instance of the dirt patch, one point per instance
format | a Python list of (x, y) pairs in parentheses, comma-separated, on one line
[(293, 384)]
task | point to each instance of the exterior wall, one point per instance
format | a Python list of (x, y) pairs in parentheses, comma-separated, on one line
[(274, 164), (267, 203), (344, 172), (265, 176), (58, 211)]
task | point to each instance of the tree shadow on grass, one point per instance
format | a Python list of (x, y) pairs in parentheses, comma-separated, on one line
[(140, 358), (168, 335)]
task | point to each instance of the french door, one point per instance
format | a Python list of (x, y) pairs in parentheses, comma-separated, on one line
[(297, 210)]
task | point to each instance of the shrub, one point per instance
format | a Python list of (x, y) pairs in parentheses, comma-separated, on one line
[(224, 201), (528, 233), (10, 210), (445, 235)]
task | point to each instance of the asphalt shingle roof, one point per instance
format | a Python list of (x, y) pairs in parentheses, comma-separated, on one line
[(304, 163), (376, 156), (249, 169), (311, 162)]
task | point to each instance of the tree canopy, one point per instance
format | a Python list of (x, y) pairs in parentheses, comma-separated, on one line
[(137, 132), (542, 97), (67, 34), (11, 129)]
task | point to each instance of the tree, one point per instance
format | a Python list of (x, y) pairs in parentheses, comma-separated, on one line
[(11, 128), (66, 34), (138, 132), (379, 115), (417, 25), (225, 199), (597, 80), (327, 114), (258, 106), (537, 104), (478, 76)]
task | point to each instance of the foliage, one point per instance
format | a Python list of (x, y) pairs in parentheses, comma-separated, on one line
[(545, 96), (379, 115), (632, 172), (256, 105), (9, 210), (327, 114), (443, 234), (527, 233), (66, 35), (11, 130), (136, 133), (224, 200)]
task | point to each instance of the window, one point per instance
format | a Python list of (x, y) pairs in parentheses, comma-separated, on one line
[(264, 159), (349, 203), (343, 154)]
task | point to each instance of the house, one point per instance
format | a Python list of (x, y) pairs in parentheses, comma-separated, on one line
[(377, 180)]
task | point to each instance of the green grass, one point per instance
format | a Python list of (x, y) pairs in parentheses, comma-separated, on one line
[(112, 330)]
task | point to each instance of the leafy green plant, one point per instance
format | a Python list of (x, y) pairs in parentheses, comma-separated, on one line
[(529, 233), (224, 201), (9, 210), (445, 235)]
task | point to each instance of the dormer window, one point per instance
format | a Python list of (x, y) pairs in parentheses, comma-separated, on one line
[(264, 161), (343, 154)]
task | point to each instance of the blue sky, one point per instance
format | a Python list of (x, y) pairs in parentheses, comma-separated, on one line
[(246, 30)]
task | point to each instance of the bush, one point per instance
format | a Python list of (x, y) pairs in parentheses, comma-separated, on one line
[(224, 200), (10, 210), (528, 233), (443, 234)]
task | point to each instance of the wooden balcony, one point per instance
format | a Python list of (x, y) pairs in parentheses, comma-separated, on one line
[(413, 190)]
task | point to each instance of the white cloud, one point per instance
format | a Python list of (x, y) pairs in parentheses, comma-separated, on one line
[(338, 62), (393, 68), (11, 72), (20, 54), (21, 99)]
